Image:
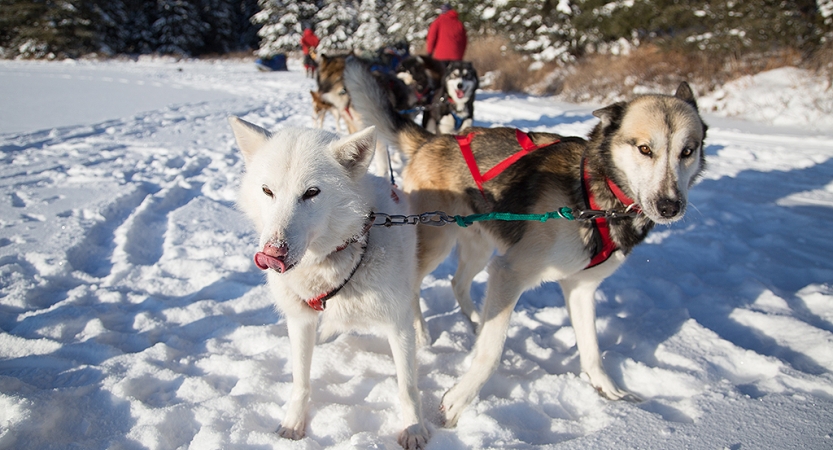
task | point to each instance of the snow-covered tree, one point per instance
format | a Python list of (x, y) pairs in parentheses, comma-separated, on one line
[(370, 35), (336, 25), (282, 24)]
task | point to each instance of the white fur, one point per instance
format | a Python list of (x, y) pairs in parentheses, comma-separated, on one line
[(377, 298)]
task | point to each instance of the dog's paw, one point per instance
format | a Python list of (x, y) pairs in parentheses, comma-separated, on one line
[(453, 404), (608, 389), (414, 437), (618, 394), (292, 432)]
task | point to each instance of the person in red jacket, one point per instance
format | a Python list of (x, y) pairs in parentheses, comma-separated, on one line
[(446, 36), (308, 43)]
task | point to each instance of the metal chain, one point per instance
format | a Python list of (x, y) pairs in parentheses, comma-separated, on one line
[(439, 218), (436, 219)]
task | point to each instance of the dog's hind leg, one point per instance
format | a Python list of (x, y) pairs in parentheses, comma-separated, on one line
[(472, 256), (414, 435), (337, 114), (302, 342), (504, 289), (579, 295)]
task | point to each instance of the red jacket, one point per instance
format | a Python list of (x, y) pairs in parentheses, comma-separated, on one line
[(446, 38), (308, 40)]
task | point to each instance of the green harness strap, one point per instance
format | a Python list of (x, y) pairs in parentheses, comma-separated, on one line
[(562, 213)]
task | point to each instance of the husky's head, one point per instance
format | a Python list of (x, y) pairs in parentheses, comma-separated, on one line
[(460, 81), (655, 145), (302, 189), (331, 81)]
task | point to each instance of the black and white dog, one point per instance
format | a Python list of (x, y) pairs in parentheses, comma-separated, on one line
[(423, 75), (453, 107)]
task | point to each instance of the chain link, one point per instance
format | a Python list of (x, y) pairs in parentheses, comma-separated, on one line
[(435, 219), (440, 218), (593, 214)]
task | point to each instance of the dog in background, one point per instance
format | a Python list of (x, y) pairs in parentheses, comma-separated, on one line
[(423, 75), (332, 90), (309, 197), (453, 106), (320, 108), (638, 162)]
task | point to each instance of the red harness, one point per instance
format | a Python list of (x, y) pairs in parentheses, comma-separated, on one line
[(527, 147), (601, 224)]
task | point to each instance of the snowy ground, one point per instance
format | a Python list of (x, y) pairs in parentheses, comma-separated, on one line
[(132, 316)]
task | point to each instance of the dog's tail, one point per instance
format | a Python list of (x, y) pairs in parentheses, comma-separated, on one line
[(375, 109)]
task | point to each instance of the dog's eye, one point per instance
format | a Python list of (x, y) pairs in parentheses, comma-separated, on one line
[(267, 191), (688, 151), (342, 92), (645, 150), (310, 193)]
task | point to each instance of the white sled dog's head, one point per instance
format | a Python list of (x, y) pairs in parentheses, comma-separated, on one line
[(301, 189), (656, 143)]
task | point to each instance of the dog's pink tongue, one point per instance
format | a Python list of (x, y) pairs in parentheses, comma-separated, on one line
[(271, 257), (264, 262), (460, 93)]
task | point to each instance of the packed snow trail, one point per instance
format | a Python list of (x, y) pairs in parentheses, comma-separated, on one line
[(132, 316)]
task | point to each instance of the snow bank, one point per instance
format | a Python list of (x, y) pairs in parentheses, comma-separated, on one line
[(131, 315)]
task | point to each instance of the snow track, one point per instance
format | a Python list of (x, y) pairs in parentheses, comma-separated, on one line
[(131, 315)]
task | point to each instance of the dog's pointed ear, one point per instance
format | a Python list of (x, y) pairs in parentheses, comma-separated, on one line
[(685, 94), (250, 137), (354, 152), (610, 114)]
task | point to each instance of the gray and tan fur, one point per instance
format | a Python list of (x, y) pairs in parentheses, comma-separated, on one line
[(651, 147)]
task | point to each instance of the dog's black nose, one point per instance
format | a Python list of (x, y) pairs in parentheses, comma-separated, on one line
[(669, 208), (459, 85)]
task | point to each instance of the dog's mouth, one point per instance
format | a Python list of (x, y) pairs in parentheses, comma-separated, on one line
[(273, 257), (460, 93)]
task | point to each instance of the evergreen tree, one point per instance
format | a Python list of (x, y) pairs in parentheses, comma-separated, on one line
[(46, 28), (370, 35), (542, 28), (336, 23), (220, 33), (178, 30), (282, 23), (409, 20)]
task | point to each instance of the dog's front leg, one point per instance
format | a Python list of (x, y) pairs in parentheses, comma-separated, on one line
[(382, 159), (302, 342), (414, 435), (337, 115), (581, 305), (502, 293)]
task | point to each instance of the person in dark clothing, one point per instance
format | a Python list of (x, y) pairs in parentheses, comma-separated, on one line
[(309, 41), (446, 39)]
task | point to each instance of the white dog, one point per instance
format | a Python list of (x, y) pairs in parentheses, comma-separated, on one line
[(310, 198)]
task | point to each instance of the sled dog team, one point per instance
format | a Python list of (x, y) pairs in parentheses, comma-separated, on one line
[(312, 201)]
